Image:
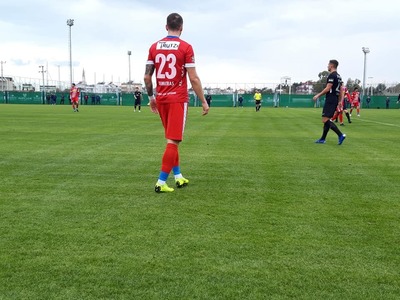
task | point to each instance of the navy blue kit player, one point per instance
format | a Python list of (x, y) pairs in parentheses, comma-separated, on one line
[(333, 94), (138, 98)]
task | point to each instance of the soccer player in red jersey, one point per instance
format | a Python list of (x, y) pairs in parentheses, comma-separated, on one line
[(74, 96), (342, 108), (172, 59), (355, 96)]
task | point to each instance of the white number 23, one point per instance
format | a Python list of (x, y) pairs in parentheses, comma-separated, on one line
[(167, 68)]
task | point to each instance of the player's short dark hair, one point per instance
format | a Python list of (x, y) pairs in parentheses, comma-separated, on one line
[(356, 88), (174, 21), (334, 62)]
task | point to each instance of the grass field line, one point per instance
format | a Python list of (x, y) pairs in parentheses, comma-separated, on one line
[(380, 123)]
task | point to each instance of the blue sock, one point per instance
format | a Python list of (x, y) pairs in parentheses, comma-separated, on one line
[(176, 170), (163, 178)]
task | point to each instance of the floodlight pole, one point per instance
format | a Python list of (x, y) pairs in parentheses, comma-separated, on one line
[(70, 23), (370, 86), (43, 89), (288, 81), (129, 65), (2, 77), (59, 81), (366, 51)]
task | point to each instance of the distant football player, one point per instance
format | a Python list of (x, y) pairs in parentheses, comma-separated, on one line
[(209, 99), (138, 99), (257, 98), (74, 97), (240, 101), (355, 101), (172, 59), (333, 94)]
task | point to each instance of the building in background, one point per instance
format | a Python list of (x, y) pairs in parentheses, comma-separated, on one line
[(27, 87), (306, 88), (7, 84), (129, 87)]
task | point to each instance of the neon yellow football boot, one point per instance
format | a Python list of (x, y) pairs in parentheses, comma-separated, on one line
[(163, 188), (181, 182)]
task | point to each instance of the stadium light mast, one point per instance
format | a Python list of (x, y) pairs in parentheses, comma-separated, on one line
[(2, 77), (59, 81), (129, 64), (43, 89), (70, 23), (370, 85), (366, 51), (287, 81)]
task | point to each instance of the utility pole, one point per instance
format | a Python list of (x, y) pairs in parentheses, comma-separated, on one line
[(70, 23), (129, 65), (47, 74), (43, 88), (59, 81), (370, 86), (366, 51), (2, 77)]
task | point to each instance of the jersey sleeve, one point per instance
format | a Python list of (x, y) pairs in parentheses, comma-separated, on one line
[(330, 79), (189, 57), (150, 57)]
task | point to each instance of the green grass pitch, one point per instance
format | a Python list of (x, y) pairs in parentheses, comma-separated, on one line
[(268, 214)]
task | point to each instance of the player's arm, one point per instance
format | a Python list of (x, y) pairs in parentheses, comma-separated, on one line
[(198, 88), (148, 74), (324, 91)]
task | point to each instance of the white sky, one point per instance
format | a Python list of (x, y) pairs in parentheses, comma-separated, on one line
[(235, 41)]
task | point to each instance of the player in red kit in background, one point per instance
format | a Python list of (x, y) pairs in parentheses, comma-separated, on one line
[(172, 59), (355, 101), (74, 96), (342, 108)]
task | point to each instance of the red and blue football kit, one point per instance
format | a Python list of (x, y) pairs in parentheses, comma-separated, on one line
[(170, 57), (74, 94), (342, 108), (355, 96)]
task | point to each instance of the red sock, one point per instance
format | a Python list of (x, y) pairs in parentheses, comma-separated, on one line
[(341, 118), (170, 157), (176, 163), (334, 116)]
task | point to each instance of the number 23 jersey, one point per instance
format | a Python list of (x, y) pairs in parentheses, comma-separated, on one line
[(171, 56)]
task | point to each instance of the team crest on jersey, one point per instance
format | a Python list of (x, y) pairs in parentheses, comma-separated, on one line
[(168, 45)]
